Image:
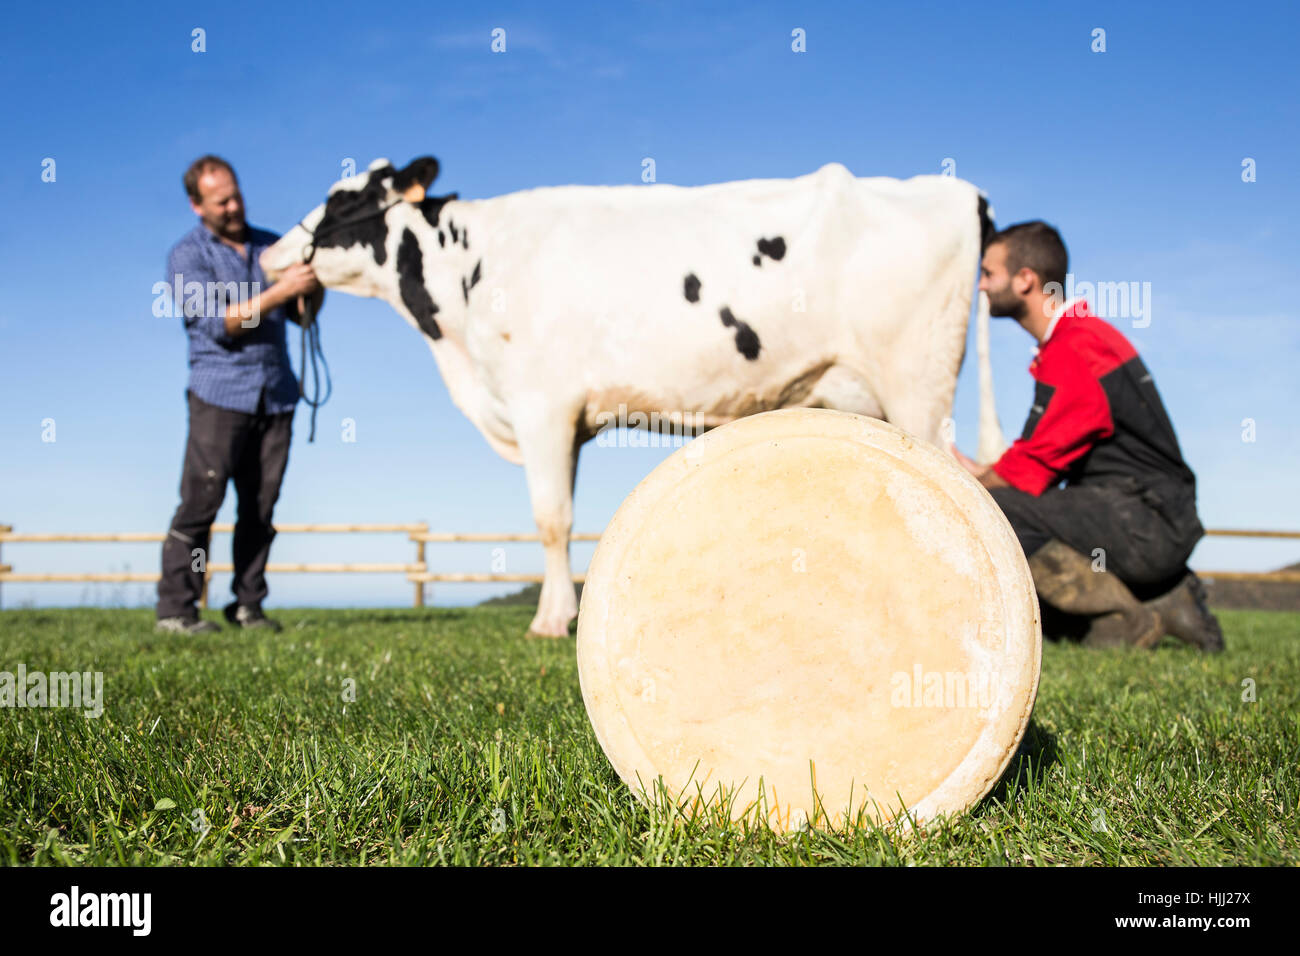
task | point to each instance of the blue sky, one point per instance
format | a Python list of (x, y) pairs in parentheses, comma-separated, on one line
[(1135, 154)]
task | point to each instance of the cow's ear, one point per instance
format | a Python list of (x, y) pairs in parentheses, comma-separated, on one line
[(412, 181)]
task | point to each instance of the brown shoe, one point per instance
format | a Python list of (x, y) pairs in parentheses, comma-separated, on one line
[(1065, 579), (1187, 616)]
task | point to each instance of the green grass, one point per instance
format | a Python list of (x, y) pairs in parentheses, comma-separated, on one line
[(468, 745)]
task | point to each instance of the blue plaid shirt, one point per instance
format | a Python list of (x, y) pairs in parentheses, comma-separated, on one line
[(228, 371)]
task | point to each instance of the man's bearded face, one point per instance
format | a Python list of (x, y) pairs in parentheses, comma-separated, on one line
[(996, 281), (221, 206)]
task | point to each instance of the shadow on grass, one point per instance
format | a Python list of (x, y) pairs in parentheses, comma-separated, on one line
[(1037, 753)]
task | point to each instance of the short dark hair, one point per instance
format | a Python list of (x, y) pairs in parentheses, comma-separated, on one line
[(1035, 245), (201, 166)]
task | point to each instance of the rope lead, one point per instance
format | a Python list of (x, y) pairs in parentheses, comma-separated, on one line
[(311, 344)]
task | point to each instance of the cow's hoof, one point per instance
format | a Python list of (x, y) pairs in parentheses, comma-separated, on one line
[(551, 625)]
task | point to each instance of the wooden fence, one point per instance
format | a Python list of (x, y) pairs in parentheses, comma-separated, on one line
[(417, 572)]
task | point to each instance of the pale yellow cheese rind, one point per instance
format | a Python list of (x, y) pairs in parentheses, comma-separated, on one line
[(810, 615)]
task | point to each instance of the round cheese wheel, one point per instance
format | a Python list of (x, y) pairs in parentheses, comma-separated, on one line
[(808, 617)]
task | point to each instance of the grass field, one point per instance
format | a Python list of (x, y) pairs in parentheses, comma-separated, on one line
[(468, 745)]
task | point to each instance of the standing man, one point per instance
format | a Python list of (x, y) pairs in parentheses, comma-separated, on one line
[(241, 394), (1124, 517)]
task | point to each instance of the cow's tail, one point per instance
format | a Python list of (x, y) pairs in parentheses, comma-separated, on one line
[(991, 441)]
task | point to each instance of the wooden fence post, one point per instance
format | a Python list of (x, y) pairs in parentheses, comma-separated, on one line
[(203, 595), (419, 559), (5, 529)]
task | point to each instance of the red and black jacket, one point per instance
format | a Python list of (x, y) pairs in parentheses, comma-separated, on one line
[(1097, 416)]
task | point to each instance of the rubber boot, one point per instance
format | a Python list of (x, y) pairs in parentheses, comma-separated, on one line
[(1183, 611), (1065, 579), (1187, 616)]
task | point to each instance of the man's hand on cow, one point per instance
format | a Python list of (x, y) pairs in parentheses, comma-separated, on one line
[(295, 282), (298, 280)]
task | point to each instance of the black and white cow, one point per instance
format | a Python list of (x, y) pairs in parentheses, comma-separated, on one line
[(547, 309)]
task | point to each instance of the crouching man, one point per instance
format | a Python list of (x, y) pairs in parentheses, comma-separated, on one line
[(1095, 487)]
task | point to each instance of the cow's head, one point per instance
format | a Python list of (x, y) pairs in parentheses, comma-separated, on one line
[(349, 231)]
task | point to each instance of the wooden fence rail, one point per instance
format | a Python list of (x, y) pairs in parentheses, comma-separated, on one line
[(417, 572)]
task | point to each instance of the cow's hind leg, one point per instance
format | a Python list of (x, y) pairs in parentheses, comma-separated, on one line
[(845, 390), (550, 465)]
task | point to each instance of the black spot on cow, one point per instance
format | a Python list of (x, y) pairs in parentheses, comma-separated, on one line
[(455, 236), (758, 260), (987, 229), (692, 288), (772, 248), (352, 217), (431, 207), (442, 240), (465, 285), (464, 238), (746, 338), (747, 342), (415, 295)]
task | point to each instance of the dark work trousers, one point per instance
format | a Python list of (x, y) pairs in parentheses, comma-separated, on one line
[(1147, 534), (224, 444)]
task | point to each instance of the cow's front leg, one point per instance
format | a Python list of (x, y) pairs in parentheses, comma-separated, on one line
[(550, 465)]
